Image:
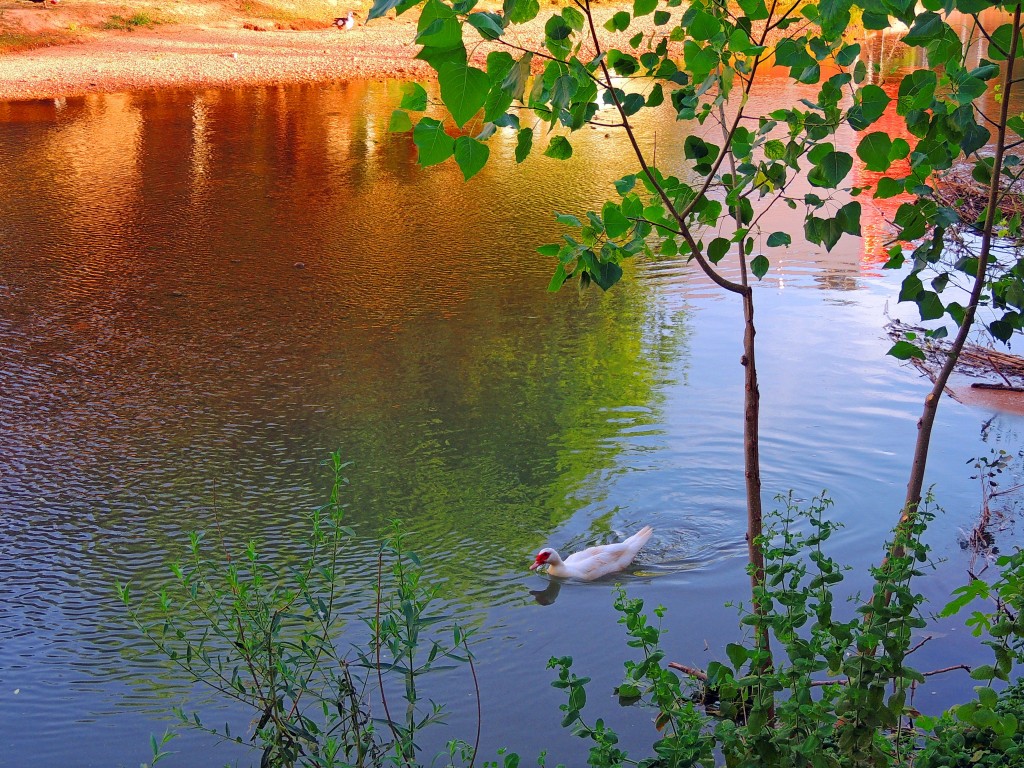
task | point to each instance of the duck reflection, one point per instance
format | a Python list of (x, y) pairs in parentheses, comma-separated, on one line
[(549, 594)]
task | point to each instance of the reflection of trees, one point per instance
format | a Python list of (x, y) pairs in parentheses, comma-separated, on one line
[(197, 377)]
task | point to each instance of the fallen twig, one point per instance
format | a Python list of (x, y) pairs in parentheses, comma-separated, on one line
[(699, 674)]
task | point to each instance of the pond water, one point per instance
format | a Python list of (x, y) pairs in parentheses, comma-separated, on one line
[(204, 294)]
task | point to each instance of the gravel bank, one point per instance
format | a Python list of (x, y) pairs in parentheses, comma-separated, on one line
[(224, 53), (188, 57)]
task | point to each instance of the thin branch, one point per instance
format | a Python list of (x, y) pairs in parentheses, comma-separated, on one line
[(919, 645), (981, 28), (479, 707), (665, 227), (377, 642), (693, 672), (722, 282), (964, 667)]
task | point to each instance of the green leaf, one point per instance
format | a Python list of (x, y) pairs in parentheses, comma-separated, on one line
[(874, 151), (606, 274), (438, 57), (414, 97), (831, 170), (380, 7), (904, 350), (759, 266), (888, 187), (643, 7), (1000, 43), (618, 22), (515, 81), (524, 143), (929, 305), (438, 27), (927, 26), (695, 148), (574, 18), (699, 60), (487, 24), (661, 18), (656, 97), (717, 249), (987, 697), (774, 149), (400, 122), (434, 145), (625, 184), (703, 26), (558, 278), (848, 218), (916, 91), (872, 104), (497, 103), (737, 654), (520, 11), (779, 238), (739, 41), (824, 231), (615, 224), (463, 90), (848, 54), (983, 672), (559, 148), (756, 10), (982, 171), (558, 37), (471, 155)]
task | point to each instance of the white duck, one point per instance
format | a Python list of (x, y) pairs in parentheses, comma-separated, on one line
[(595, 562), (346, 22)]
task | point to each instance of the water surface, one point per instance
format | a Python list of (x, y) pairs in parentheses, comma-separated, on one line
[(204, 294)]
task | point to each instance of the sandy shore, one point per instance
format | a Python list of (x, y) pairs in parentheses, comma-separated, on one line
[(213, 47), (185, 56)]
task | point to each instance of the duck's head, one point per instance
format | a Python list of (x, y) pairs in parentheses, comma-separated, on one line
[(546, 556)]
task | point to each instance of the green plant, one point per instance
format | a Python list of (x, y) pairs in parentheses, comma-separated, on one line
[(137, 19), (829, 700), (158, 746), (269, 637), (988, 731)]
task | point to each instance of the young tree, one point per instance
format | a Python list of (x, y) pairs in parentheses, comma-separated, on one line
[(703, 61)]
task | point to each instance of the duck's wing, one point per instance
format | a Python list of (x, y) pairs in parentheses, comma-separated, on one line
[(629, 546), (597, 561)]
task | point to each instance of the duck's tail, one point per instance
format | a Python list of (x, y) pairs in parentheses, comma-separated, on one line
[(638, 539)]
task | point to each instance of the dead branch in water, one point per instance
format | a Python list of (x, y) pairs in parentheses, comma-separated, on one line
[(958, 189), (975, 359)]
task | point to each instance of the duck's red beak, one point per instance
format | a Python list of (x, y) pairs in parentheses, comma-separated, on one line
[(536, 564)]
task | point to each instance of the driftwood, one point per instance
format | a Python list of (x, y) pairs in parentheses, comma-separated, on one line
[(999, 387), (975, 359), (957, 189)]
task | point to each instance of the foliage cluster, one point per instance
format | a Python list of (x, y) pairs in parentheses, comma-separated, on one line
[(838, 694), (274, 639), (832, 700)]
